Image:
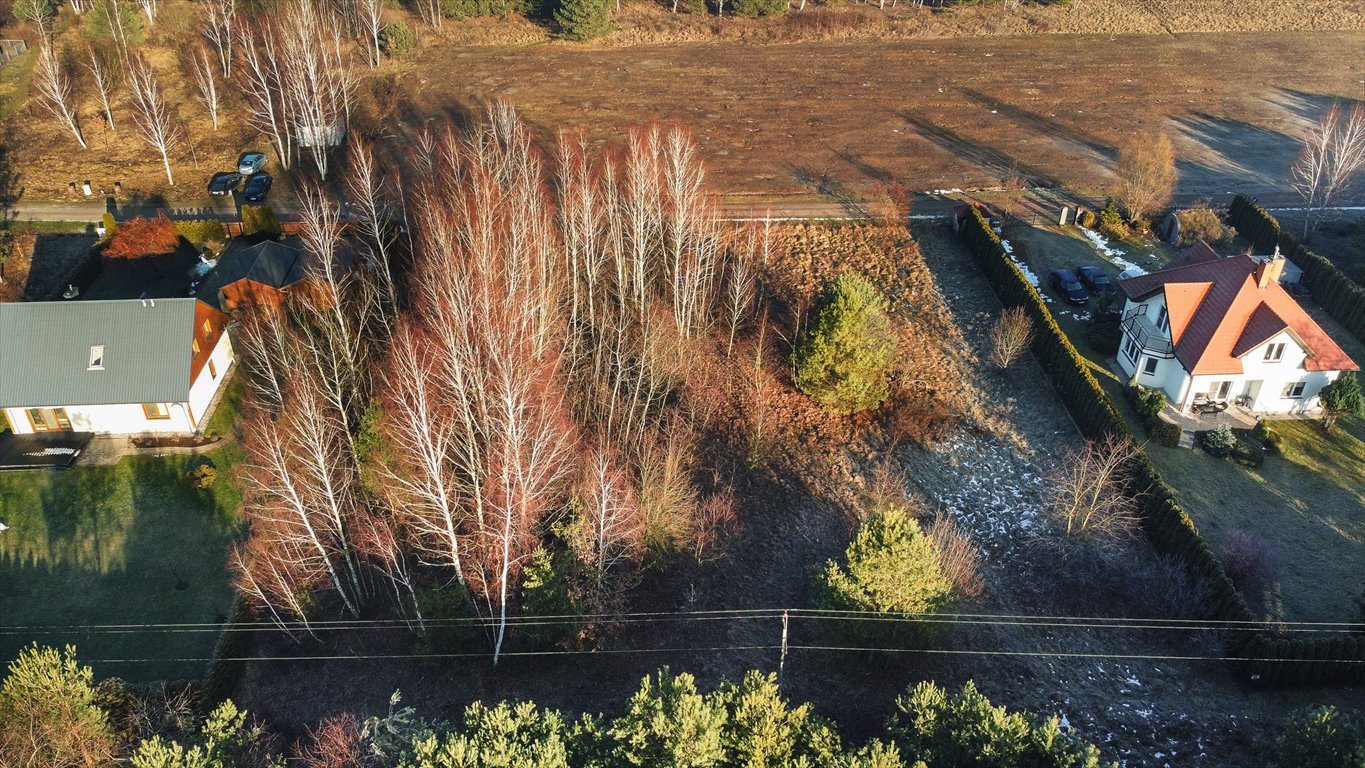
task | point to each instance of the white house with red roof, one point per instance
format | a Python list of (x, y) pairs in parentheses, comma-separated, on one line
[(1225, 329)]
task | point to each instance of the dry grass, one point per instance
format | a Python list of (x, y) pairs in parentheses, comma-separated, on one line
[(15, 268)]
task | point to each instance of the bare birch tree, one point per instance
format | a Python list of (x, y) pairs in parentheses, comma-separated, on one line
[(609, 530), (370, 14), (152, 113), (262, 82), (56, 91), (1333, 153), (204, 76), (372, 197), (220, 17), (106, 72), (38, 13), (149, 9), (317, 86)]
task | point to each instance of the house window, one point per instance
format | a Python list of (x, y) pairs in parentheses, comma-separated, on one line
[(195, 345), (1162, 321), (96, 358), (156, 410), (1273, 352), (1295, 391), (208, 328), (1149, 365), (1219, 390), (1130, 351), (213, 372)]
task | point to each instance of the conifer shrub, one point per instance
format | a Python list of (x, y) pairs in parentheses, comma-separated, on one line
[(759, 7), (397, 39), (140, 237), (583, 19), (1150, 402), (201, 231), (1166, 433), (844, 361), (1218, 441), (259, 220), (892, 566)]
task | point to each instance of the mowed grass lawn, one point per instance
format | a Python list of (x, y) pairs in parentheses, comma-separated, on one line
[(128, 544), (1308, 505)]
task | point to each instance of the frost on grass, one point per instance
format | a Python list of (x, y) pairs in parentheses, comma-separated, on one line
[(992, 493)]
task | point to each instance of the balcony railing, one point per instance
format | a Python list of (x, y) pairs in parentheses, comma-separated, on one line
[(1152, 341)]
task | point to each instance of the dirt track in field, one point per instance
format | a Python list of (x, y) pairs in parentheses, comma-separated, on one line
[(779, 119)]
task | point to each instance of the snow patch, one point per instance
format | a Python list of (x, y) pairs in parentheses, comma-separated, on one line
[(1024, 268), (1113, 254)]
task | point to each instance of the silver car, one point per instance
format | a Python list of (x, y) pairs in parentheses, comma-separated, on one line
[(250, 163)]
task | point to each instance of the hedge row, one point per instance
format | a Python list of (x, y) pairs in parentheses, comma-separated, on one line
[(1270, 660), (222, 673), (1342, 297)]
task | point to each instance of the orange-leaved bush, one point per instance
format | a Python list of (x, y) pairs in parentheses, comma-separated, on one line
[(141, 236)]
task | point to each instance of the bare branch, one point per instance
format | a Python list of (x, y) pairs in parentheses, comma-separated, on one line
[(152, 113), (55, 90)]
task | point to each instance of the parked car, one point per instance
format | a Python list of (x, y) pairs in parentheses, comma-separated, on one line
[(224, 183), (1095, 279), (250, 163), (1068, 287), (257, 185)]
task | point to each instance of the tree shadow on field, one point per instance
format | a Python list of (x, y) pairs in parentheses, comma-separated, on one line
[(1238, 153), (998, 164), (824, 184), (1044, 126), (1310, 106)]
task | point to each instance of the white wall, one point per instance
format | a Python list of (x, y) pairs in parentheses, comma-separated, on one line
[(1169, 375), (111, 419), (204, 387)]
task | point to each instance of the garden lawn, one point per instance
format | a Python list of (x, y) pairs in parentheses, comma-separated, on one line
[(129, 544), (1308, 505)]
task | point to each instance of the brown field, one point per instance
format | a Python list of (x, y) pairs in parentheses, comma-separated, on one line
[(827, 99), (779, 119)]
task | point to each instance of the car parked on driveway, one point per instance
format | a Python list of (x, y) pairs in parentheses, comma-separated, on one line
[(1068, 287), (1095, 279), (257, 186), (224, 183), (250, 162)]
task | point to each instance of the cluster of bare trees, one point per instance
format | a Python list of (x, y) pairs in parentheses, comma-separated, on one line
[(295, 74), (527, 376)]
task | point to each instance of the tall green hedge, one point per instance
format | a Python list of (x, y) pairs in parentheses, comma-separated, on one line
[(1342, 297)]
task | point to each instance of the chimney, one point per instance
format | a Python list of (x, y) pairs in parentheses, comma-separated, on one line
[(1268, 271)]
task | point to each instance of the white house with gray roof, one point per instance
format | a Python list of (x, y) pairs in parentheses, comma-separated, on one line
[(111, 367)]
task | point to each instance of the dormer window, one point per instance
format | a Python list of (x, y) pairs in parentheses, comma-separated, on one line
[(1273, 352), (1163, 321), (96, 358)]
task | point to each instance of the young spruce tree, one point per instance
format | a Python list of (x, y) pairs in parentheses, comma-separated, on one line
[(583, 19), (844, 362)]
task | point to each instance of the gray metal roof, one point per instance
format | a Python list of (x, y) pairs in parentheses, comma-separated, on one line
[(45, 352)]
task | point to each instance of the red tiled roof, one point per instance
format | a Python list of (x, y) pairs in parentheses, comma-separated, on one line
[(1260, 328), (1216, 314), (1195, 254)]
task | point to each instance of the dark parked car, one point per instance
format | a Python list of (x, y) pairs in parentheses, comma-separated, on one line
[(1068, 287), (1095, 279), (250, 162), (257, 185), (224, 183)]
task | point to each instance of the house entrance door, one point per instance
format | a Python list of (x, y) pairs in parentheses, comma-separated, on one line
[(1250, 391), (49, 420)]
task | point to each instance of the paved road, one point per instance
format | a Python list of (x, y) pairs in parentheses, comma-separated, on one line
[(1041, 201)]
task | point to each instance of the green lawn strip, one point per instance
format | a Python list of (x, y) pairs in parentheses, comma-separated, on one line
[(1308, 505), (127, 544), (229, 407)]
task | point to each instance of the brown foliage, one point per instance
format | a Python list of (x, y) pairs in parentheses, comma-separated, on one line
[(958, 555), (141, 236), (1250, 561), (1010, 336), (1146, 174), (334, 743)]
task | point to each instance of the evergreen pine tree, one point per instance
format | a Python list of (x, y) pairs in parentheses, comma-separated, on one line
[(844, 362), (1341, 397), (583, 19)]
